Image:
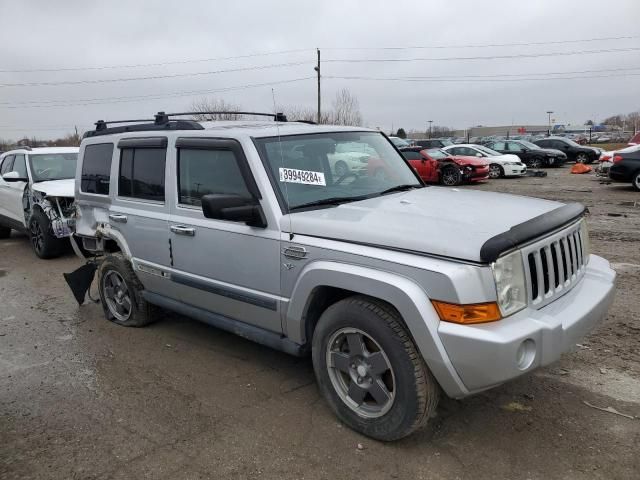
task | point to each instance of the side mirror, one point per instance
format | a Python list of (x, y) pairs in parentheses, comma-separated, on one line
[(234, 208), (479, 155), (14, 177)]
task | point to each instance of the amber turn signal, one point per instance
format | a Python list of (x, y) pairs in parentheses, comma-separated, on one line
[(467, 314)]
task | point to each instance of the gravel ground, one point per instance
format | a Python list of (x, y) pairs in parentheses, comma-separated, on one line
[(83, 398)]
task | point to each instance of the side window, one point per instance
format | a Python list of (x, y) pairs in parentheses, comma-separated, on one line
[(558, 144), (96, 168), (514, 147), (201, 172), (142, 173), (543, 143), (20, 166), (498, 146), (410, 155), (454, 151), (7, 164)]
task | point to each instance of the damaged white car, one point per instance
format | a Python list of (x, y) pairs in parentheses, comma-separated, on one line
[(36, 196)]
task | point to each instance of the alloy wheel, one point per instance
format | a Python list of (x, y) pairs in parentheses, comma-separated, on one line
[(117, 295), (360, 372), (494, 171), (37, 236), (581, 158)]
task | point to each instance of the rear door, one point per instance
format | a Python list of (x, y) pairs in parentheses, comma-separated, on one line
[(224, 267), (12, 193), (139, 210)]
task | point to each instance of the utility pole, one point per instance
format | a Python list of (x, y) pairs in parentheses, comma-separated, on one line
[(317, 69), (430, 122), (549, 112)]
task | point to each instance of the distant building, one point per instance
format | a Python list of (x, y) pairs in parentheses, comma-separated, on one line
[(482, 131)]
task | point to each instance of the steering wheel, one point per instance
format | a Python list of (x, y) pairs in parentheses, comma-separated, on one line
[(343, 177)]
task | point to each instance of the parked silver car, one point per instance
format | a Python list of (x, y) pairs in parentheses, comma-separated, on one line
[(397, 290)]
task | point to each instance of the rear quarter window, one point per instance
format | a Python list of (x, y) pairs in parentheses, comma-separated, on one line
[(96, 168)]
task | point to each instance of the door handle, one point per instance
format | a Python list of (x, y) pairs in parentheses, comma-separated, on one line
[(182, 230), (118, 217)]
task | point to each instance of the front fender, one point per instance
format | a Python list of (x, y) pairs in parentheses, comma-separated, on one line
[(406, 296)]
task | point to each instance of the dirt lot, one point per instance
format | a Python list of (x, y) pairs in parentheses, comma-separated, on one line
[(83, 398)]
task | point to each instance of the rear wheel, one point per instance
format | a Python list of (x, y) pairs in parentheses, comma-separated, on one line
[(450, 176), (582, 158), (369, 370), (5, 232), (44, 243), (495, 171), (121, 293)]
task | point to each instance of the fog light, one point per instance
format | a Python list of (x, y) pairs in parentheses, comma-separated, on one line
[(526, 354)]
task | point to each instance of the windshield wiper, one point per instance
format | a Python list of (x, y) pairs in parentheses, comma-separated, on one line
[(399, 188), (330, 201)]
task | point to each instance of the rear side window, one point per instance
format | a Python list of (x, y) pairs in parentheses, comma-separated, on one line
[(7, 164), (201, 172), (409, 155), (142, 173), (96, 168)]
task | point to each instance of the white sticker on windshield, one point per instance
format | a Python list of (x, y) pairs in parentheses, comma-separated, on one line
[(291, 175)]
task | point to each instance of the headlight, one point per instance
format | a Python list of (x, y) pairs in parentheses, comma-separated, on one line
[(508, 273), (586, 244), (549, 154)]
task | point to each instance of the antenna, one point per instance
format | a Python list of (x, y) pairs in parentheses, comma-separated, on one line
[(286, 189)]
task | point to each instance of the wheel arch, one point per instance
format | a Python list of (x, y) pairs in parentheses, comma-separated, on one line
[(324, 283)]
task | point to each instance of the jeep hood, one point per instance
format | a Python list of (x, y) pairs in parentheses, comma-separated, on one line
[(56, 188), (433, 220)]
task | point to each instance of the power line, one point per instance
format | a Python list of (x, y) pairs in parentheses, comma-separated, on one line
[(152, 77), (487, 57), (135, 98), (158, 64), (463, 79), (520, 44)]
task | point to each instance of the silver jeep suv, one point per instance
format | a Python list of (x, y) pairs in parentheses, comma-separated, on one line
[(397, 290)]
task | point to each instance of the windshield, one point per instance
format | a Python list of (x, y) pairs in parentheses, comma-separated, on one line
[(399, 142), (488, 151), (446, 142), (53, 166), (437, 154), (529, 145), (338, 167)]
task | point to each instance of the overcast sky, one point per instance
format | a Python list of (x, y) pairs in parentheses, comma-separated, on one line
[(76, 35)]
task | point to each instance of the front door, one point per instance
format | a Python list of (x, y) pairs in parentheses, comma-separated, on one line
[(221, 266), (12, 193)]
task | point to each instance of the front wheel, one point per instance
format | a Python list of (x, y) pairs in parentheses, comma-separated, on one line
[(451, 176), (495, 171), (535, 162), (582, 158), (44, 243), (369, 370), (636, 181)]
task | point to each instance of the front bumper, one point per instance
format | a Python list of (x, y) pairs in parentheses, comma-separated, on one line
[(514, 170), (489, 354)]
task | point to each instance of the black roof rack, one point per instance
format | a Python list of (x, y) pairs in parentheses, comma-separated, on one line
[(161, 121), (162, 117)]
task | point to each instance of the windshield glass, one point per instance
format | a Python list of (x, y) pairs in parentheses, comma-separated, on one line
[(53, 166), (529, 145), (446, 142), (346, 166), (399, 142), (437, 154), (488, 151)]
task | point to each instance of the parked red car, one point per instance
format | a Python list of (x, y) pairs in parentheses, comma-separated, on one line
[(437, 166)]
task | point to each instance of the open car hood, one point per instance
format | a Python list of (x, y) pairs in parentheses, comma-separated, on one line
[(56, 188)]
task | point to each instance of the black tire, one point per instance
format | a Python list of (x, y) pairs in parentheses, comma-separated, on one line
[(44, 243), (635, 181), (535, 162), (415, 391), (5, 232), (583, 158), (496, 171), (450, 176), (140, 312)]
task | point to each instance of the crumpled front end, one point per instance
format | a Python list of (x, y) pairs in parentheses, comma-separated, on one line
[(60, 211)]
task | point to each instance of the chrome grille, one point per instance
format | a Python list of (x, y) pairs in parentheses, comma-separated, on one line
[(554, 265)]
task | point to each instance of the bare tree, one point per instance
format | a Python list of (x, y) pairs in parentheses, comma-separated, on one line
[(306, 114), (214, 105), (346, 109)]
